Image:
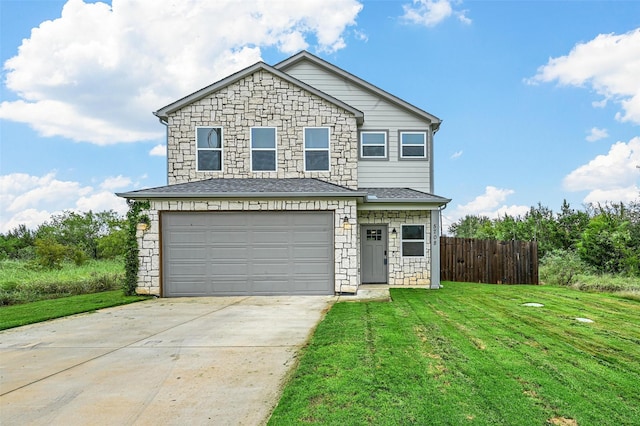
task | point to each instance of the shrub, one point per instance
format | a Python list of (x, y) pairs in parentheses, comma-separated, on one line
[(560, 267), (49, 253)]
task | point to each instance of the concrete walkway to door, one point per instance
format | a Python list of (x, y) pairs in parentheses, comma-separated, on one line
[(186, 361)]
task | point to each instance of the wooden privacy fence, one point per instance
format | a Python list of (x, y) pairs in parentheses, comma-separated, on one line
[(488, 261)]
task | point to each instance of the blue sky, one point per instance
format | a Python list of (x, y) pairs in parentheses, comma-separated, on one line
[(540, 100)]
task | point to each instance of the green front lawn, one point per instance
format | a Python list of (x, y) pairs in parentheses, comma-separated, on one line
[(471, 354), (29, 313)]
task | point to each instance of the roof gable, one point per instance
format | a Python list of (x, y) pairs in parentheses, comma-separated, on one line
[(308, 57), (164, 112)]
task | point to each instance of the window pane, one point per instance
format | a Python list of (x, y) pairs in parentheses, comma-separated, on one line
[(373, 138), (410, 248), (413, 139), (263, 137), (373, 151), (413, 151), (316, 160), (209, 137), (316, 138), (209, 160), (413, 232), (263, 160)]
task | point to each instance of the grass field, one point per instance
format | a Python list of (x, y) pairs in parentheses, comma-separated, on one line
[(29, 313), (471, 354), (22, 282)]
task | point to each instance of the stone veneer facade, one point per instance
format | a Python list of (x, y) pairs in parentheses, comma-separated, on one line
[(262, 100), (345, 237), (402, 270)]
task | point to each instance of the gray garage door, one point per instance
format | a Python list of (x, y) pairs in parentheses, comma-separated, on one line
[(247, 253)]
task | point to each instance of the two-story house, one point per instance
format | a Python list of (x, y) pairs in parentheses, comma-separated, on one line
[(298, 178)]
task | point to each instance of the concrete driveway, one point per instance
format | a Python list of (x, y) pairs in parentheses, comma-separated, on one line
[(181, 361)]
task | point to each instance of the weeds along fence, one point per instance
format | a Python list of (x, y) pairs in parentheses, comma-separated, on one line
[(488, 261)]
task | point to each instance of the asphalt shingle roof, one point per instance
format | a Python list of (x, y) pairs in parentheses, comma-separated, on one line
[(290, 187), (401, 194), (235, 187)]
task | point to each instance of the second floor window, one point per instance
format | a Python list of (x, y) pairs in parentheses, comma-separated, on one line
[(209, 148), (373, 144), (413, 145), (263, 149), (316, 149)]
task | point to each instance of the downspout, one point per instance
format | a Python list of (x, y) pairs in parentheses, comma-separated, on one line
[(166, 141), (435, 248)]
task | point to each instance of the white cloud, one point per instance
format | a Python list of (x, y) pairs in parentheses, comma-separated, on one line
[(610, 64), (456, 154), (610, 177), (159, 150), (103, 69), (488, 201), (117, 182), (491, 204), (31, 200), (596, 134), (431, 12)]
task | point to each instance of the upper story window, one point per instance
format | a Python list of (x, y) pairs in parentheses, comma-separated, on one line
[(209, 148), (413, 144), (263, 149), (373, 144), (316, 149), (413, 240)]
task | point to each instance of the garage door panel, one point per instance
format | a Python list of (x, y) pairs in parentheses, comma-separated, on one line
[(310, 237), (185, 268), (224, 270), (227, 253), (270, 252), (321, 269), (226, 236), (270, 236), (190, 237), (189, 288), (242, 253), (313, 252)]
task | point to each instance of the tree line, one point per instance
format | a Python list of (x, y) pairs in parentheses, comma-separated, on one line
[(604, 237), (68, 236)]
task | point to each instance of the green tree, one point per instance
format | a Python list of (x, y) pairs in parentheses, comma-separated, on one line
[(49, 253), (82, 231), (18, 243), (570, 224), (468, 226), (607, 244)]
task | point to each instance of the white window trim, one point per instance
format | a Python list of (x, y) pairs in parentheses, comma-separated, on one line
[(275, 148), (424, 240), (221, 149), (413, 132), (305, 149), (385, 145)]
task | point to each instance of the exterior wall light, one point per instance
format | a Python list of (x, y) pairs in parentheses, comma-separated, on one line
[(345, 223)]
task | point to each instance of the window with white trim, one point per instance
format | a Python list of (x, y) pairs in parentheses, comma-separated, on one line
[(413, 144), (413, 240), (263, 149), (209, 149), (373, 144), (316, 149)]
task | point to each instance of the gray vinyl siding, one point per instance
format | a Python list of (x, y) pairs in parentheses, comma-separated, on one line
[(378, 114)]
